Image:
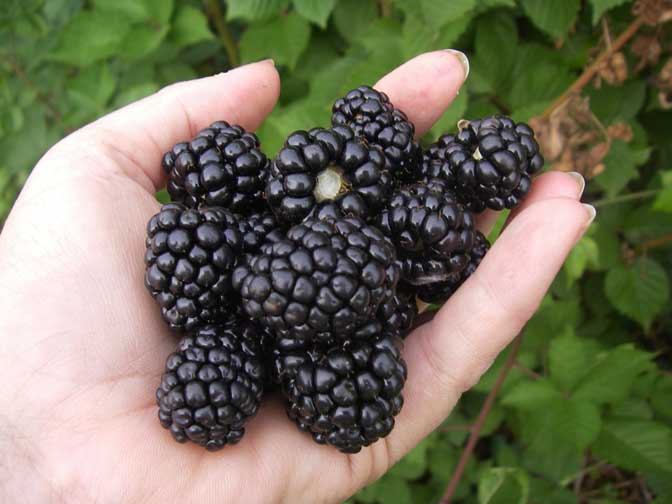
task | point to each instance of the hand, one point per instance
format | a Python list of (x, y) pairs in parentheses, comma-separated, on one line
[(82, 344)]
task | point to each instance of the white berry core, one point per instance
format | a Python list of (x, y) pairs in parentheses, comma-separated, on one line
[(328, 185)]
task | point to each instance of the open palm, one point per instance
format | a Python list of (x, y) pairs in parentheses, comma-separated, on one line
[(82, 344)]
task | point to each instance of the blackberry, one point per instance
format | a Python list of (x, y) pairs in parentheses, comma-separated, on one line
[(189, 259), (327, 165), (345, 395), (221, 166), (488, 164), (439, 292), (371, 116), (399, 313), (212, 384), (258, 228), (326, 280), (432, 231)]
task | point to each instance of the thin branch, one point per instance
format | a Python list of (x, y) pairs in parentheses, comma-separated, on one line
[(384, 7), (656, 242), (626, 197), (216, 15), (480, 421), (457, 428), (41, 97), (592, 70), (527, 371)]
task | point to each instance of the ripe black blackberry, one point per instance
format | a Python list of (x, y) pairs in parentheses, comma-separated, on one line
[(325, 281), (212, 384), (189, 259), (345, 395), (221, 166), (327, 165), (399, 313), (432, 232), (258, 228), (438, 292), (371, 116), (488, 164)]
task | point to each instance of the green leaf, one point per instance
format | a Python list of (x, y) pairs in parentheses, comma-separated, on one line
[(413, 465), (490, 4), (142, 40), (601, 6), (528, 394), (506, 485), (437, 13), (132, 9), (353, 17), (554, 17), (159, 10), (317, 11), (639, 292), (496, 46), (573, 422), (91, 36), (660, 396), (617, 103), (569, 358), (538, 82), (620, 168), (638, 445), (283, 39), (610, 379), (254, 10), (135, 93), (663, 201), (92, 89), (584, 254), (190, 27)]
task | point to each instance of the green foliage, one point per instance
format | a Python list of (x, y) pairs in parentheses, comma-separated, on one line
[(592, 386)]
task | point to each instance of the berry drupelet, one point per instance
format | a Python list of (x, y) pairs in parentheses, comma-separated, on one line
[(487, 164), (221, 166), (327, 165), (212, 384), (371, 116)]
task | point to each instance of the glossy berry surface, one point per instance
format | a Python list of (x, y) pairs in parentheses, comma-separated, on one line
[(327, 165), (221, 166), (190, 256), (488, 164), (212, 384), (346, 395), (325, 281), (372, 116), (438, 292), (432, 232)]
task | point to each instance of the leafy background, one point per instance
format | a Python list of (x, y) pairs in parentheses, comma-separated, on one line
[(585, 405)]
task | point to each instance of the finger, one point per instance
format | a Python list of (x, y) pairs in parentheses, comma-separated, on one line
[(552, 184), (140, 133), (449, 354), (425, 86)]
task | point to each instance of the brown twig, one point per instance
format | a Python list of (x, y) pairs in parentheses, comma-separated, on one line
[(656, 242), (527, 371), (480, 420), (592, 70), (384, 7), (216, 15), (626, 197), (41, 97), (457, 428)]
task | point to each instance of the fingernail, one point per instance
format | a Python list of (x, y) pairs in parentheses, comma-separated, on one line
[(580, 181), (463, 60), (267, 60), (590, 210)]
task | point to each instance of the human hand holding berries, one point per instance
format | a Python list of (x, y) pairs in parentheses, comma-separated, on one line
[(83, 346)]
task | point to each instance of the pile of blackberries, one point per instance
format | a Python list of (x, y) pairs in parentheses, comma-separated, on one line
[(304, 272)]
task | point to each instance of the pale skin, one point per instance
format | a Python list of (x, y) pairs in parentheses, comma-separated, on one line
[(82, 344)]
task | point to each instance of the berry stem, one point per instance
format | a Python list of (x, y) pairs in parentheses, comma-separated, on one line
[(592, 70), (480, 421), (215, 14), (625, 198)]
